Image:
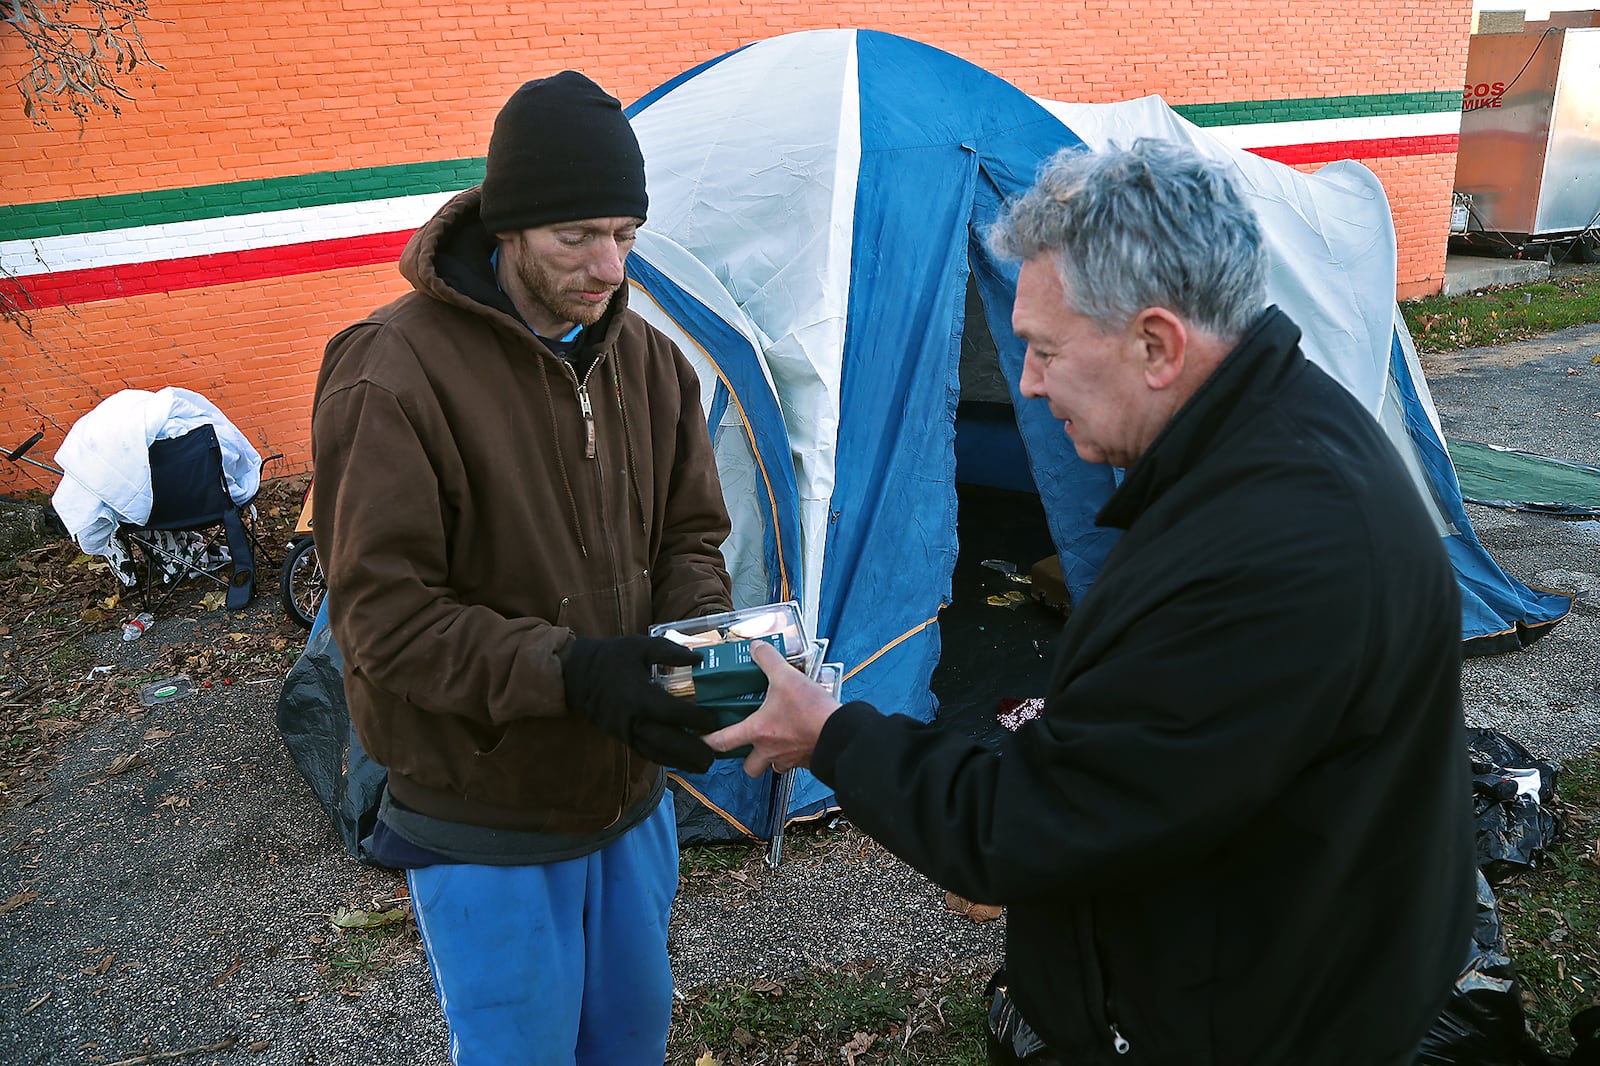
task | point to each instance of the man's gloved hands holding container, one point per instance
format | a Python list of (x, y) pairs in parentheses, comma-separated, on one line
[(609, 681)]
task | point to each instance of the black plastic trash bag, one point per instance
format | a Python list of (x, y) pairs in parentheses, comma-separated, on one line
[(316, 728), (1512, 828), (1483, 1023)]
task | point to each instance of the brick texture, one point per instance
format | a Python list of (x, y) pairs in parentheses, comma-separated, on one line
[(299, 95)]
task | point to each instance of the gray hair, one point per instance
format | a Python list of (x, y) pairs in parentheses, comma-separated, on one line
[(1155, 225)]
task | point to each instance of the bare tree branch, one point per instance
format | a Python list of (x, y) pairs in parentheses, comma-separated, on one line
[(78, 65)]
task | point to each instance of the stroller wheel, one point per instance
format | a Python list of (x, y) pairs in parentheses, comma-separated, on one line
[(301, 585)]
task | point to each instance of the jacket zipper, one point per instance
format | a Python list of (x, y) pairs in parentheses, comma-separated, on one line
[(588, 416), (1119, 1043), (590, 452)]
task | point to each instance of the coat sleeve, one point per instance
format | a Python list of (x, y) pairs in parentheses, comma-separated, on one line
[(690, 577), (382, 541), (1182, 731)]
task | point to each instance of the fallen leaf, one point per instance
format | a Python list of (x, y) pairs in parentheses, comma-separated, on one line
[(978, 912), (25, 896), (100, 968), (125, 762), (258, 1046), (213, 601), (355, 918), (742, 1037), (157, 733), (856, 1046), (92, 616), (708, 1059)]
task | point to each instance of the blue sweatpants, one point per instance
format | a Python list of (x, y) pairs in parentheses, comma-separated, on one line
[(561, 964)]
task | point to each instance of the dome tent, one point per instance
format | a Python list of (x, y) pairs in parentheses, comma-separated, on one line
[(818, 205)]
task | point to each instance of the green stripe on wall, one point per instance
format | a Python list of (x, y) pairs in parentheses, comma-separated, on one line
[(96, 213), (1249, 112)]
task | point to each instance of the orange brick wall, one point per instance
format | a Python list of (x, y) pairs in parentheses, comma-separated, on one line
[(1422, 224), (255, 90)]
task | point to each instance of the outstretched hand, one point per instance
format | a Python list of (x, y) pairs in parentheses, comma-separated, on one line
[(783, 731)]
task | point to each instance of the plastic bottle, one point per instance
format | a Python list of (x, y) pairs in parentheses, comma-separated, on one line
[(134, 627)]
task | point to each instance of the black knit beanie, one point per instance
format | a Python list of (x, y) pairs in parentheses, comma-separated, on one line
[(561, 150)]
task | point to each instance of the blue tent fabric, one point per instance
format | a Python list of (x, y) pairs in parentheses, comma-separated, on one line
[(963, 133), (740, 381), (1498, 613)]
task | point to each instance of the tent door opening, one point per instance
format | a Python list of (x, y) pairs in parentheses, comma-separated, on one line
[(992, 652)]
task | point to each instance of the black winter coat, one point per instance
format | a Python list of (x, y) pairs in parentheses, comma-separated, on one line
[(1240, 833)]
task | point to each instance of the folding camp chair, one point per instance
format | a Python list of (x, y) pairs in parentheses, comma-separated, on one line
[(189, 495)]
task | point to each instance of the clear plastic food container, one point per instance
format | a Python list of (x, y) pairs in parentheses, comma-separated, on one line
[(727, 671)]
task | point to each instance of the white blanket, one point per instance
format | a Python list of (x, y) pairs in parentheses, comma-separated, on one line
[(106, 460)]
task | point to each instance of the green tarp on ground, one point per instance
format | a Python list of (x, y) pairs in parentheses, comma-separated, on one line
[(1507, 477)]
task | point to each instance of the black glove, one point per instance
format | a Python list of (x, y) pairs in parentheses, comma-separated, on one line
[(608, 682)]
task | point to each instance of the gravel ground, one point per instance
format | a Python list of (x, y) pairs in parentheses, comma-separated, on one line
[(1540, 396), (184, 902)]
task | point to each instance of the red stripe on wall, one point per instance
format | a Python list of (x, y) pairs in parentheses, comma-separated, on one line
[(200, 271), (1385, 148)]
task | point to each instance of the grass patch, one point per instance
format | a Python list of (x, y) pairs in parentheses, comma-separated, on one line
[(859, 1016), (1551, 915), (1503, 313), (358, 955), (710, 865), (711, 861), (69, 658)]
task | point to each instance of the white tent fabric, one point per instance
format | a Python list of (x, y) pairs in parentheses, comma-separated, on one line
[(1331, 244), (737, 460), (763, 195)]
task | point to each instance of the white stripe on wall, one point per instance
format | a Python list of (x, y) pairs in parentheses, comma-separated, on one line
[(209, 236), (266, 229)]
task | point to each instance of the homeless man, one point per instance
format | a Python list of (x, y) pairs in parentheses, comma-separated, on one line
[(1240, 831), (514, 480)]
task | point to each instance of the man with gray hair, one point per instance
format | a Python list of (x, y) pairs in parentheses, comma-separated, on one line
[(1240, 831)]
